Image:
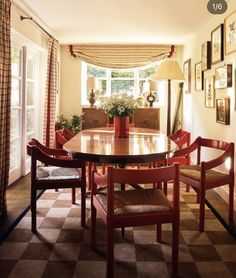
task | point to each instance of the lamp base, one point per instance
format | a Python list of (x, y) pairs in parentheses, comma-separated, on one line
[(92, 98)]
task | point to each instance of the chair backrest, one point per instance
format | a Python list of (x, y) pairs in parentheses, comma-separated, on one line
[(48, 156), (61, 137), (181, 138), (226, 147), (143, 176)]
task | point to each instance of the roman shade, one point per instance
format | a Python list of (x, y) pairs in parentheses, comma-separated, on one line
[(120, 56)]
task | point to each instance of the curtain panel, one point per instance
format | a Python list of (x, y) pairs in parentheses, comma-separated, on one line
[(5, 100), (51, 92), (120, 56)]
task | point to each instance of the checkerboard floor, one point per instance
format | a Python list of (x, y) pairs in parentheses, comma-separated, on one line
[(61, 247)]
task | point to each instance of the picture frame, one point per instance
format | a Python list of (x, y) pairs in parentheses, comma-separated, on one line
[(217, 46), (223, 77), (206, 55), (209, 89), (230, 33), (199, 77), (187, 76), (223, 111)]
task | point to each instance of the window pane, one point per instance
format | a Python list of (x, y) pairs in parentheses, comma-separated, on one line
[(15, 62), (15, 123), (122, 74), (30, 120), (30, 93), (141, 87), (15, 91), (122, 86), (30, 65), (147, 73), (15, 154), (95, 71)]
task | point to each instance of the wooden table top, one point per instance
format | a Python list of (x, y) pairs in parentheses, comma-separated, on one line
[(99, 145)]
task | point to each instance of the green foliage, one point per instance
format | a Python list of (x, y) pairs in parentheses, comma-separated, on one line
[(74, 125)]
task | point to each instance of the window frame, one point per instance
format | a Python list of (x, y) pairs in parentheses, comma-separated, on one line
[(108, 78)]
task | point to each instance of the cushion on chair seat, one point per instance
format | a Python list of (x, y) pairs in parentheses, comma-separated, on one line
[(57, 173), (137, 201), (194, 172)]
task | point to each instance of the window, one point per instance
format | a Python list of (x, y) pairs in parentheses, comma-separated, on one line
[(133, 81)]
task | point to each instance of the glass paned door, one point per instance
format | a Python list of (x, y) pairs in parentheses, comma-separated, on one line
[(16, 114), (23, 125)]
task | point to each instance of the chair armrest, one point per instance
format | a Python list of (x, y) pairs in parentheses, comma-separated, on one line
[(52, 161), (48, 151), (189, 149), (217, 161)]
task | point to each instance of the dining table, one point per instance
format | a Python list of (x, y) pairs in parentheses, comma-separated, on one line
[(99, 145)]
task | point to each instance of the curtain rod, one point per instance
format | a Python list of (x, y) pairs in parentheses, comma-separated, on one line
[(27, 16)]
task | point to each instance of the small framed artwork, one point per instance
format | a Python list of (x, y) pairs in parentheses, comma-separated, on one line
[(230, 33), (206, 55), (199, 77), (217, 51), (223, 77), (209, 92), (223, 111), (187, 76)]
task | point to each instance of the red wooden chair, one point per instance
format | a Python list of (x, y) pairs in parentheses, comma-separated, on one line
[(56, 173), (61, 137), (203, 176), (135, 207)]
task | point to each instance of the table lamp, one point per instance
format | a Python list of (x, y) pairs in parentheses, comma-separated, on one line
[(91, 86), (168, 69)]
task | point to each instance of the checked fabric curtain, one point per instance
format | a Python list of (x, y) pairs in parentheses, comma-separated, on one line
[(5, 100), (51, 92)]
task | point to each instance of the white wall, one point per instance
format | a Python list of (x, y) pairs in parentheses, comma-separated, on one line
[(70, 84), (198, 119)]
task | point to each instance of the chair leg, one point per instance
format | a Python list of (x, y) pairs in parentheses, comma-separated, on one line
[(175, 247), (33, 210), (202, 194), (73, 199), (158, 233), (165, 188), (110, 251), (93, 227), (83, 205), (89, 175), (231, 202)]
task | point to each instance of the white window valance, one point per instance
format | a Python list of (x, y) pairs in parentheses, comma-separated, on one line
[(120, 56)]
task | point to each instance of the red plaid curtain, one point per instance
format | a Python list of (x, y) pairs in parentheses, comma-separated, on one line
[(51, 92), (5, 100)]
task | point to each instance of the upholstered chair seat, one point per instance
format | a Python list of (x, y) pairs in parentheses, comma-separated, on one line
[(57, 173), (194, 172), (137, 201)]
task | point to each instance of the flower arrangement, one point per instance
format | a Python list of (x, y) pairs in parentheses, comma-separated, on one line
[(120, 104)]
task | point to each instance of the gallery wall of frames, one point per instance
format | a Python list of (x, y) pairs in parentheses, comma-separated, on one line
[(222, 42)]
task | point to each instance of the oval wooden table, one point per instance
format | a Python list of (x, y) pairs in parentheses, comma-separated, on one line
[(100, 146)]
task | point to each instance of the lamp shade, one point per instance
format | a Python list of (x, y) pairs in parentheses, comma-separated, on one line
[(91, 82), (168, 69), (152, 85)]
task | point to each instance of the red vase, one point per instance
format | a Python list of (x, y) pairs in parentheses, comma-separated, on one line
[(121, 126)]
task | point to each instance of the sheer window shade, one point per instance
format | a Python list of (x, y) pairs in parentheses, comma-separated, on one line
[(120, 56)]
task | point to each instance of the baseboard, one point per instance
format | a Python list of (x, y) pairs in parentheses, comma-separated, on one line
[(223, 192)]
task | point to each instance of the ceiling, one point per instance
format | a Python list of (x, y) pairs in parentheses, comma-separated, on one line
[(121, 21)]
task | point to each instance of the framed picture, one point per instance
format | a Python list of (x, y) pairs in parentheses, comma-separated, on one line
[(209, 91), (230, 33), (223, 111), (223, 77), (206, 55), (217, 51), (187, 76), (199, 77)]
